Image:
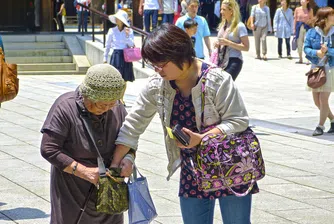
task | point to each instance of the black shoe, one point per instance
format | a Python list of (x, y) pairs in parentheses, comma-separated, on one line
[(331, 130), (318, 131), (280, 56)]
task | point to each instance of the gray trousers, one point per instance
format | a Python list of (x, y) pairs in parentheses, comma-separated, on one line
[(260, 35)]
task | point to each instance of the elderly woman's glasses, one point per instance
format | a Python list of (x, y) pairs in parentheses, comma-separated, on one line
[(104, 106), (158, 68)]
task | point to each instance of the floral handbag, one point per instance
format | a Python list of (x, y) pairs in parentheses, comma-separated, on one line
[(227, 161)]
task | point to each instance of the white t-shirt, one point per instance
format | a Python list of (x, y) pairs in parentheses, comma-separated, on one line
[(241, 32), (151, 5)]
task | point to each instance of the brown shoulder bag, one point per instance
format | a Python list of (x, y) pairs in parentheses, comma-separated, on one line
[(9, 83), (316, 77)]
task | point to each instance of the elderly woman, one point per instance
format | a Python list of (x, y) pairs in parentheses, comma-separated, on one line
[(67, 145), (176, 94)]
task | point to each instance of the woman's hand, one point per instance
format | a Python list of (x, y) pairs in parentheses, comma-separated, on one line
[(253, 27), (324, 48), (90, 174), (195, 139), (224, 41), (216, 44), (320, 54), (127, 167)]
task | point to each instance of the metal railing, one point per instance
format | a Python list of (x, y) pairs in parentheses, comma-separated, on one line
[(106, 18)]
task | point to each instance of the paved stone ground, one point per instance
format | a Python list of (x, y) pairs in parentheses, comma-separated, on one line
[(298, 187)]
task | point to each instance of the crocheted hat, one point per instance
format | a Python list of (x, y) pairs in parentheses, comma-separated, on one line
[(103, 82)]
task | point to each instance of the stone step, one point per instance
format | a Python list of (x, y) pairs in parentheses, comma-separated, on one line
[(37, 52), (47, 67), (37, 60), (34, 45), (31, 38), (73, 72)]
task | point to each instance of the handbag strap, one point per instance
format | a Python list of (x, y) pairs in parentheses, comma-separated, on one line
[(133, 178), (285, 18), (224, 49), (203, 81), (102, 169)]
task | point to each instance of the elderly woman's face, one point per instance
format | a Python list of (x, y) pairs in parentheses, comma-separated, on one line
[(100, 107)]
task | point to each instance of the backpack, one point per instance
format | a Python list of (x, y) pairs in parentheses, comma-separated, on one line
[(9, 83)]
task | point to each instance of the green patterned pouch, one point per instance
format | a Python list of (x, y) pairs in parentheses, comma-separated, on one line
[(112, 194)]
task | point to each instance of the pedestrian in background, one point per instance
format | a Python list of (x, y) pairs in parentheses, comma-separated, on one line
[(82, 14), (232, 39), (151, 11), (170, 8), (207, 8), (319, 43), (69, 148), (175, 93), (183, 8), (283, 27), (190, 26), (261, 26), (203, 31), (57, 15), (302, 16), (118, 38)]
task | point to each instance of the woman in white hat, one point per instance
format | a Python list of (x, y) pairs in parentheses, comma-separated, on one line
[(118, 38)]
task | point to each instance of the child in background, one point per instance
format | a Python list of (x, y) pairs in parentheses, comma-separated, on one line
[(190, 27)]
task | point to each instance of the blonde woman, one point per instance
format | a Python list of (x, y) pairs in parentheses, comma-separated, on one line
[(232, 38), (261, 26)]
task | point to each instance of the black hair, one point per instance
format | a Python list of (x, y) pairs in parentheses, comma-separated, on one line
[(168, 43), (189, 23)]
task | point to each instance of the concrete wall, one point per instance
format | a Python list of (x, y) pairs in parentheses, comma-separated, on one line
[(94, 52)]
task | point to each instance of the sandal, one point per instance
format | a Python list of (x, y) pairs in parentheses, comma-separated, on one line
[(264, 58), (299, 62)]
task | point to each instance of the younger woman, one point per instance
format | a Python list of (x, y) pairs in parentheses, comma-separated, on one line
[(232, 38), (261, 25), (303, 14), (283, 26), (118, 38), (175, 93), (319, 43)]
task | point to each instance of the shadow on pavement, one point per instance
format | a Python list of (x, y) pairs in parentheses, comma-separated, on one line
[(22, 213)]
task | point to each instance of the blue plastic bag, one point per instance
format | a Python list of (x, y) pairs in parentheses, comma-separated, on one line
[(141, 206)]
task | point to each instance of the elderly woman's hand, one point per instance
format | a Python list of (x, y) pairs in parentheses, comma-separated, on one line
[(195, 139), (90, 174)]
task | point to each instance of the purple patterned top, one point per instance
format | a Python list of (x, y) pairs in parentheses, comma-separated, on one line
[(183, 113)]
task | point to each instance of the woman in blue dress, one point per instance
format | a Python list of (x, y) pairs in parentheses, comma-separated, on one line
[(283, 27)]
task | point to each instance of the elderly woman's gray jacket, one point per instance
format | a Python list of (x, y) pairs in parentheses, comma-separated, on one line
[(223, 107)]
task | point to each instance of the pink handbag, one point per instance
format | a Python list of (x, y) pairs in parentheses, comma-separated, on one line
[(214, 57), (132, 54)]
